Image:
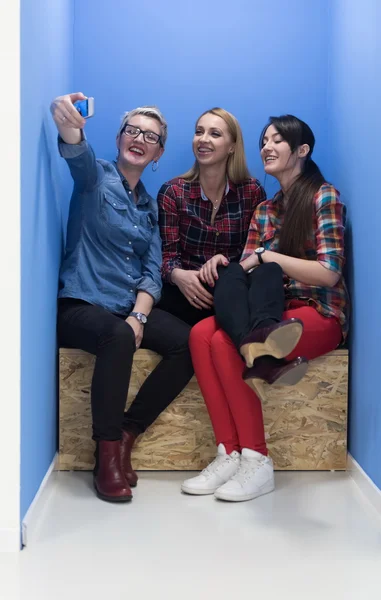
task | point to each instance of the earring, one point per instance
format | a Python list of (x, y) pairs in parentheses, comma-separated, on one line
[(155, 165)]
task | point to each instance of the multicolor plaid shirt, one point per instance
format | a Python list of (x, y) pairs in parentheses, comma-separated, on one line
[(185, 217), (326, 245)]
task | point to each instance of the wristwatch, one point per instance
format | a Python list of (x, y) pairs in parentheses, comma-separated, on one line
[(259, 252), (141, 317)]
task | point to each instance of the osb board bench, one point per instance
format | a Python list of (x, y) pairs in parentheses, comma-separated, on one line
[(306, 425)]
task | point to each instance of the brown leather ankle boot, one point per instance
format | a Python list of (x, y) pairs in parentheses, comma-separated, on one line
[(109, 480), (127, 443)]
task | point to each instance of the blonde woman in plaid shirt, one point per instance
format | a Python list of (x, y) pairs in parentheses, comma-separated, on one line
[(285, 303), (205, 212)]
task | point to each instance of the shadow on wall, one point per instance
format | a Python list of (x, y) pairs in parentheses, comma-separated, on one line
[(349, 278), (46, 195), (348, 273), (50, 179), (49, 221)]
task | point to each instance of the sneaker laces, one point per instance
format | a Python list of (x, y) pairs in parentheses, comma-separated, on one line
[(246, 469), (216, 464)]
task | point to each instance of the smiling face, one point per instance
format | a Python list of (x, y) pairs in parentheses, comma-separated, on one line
[(212, 142), (276, 153), (136, 152), (278, 158)]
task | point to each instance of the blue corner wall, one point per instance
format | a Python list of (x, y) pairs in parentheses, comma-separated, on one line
[(46, 72), (355, 101)]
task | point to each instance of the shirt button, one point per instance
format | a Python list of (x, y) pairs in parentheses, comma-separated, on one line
[(131, 291), (217, 233), (113, 204), (130, 243), (127, 258), (135, 226)]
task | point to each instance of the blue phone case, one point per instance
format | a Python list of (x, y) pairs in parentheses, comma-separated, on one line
[(82, 107)]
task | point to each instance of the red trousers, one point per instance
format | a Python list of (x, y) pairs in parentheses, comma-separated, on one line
[(234, 409)]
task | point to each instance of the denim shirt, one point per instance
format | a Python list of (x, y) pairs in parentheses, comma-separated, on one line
[(113, 246)]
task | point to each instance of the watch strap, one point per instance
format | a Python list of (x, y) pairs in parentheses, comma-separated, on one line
[(138, 316), (259, 252)]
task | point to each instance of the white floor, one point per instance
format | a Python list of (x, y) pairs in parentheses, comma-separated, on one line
[(315, 537)]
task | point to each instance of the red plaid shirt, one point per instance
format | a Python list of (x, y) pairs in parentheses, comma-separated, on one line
[(185, 215), (326, 245)]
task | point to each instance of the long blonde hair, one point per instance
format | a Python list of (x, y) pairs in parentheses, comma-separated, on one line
[(236, 167)]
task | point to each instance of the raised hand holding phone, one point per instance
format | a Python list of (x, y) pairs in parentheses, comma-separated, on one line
[(67, 118)]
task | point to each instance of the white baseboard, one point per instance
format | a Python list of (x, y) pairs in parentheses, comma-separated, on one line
[(10, 540), (33, 514), (365, 484)]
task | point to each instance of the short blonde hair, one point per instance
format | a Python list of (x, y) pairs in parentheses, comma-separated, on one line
[(236, 167), (147, 111)]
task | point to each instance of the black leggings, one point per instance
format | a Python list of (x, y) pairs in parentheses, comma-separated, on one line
[(243, 302), (112, 340)]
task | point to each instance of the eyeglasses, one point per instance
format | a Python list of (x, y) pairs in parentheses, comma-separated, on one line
[(149, 136)]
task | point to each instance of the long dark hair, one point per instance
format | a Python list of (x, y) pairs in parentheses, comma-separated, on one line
[(297, 225)]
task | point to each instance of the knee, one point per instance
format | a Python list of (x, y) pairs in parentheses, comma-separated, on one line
[(120, 335), (268, 273), (232, 270), (228, 277), (272, 269), (202, 332), (221, 340)]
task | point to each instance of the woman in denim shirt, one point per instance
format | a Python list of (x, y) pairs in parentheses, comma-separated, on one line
[(109, 283)]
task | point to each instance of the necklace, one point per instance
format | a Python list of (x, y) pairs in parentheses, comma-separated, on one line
[(217, 203)]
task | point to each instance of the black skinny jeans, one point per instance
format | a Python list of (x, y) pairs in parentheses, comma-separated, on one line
[(244, 302), (174, 302), (112, 340)]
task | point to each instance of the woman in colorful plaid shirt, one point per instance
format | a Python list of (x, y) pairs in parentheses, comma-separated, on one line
[(285, 302), (205, 212)]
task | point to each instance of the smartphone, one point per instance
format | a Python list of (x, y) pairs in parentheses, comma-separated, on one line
[(85, 107)]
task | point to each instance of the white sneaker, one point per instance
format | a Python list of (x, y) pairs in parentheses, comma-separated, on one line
[(254, 478), (218, 472)]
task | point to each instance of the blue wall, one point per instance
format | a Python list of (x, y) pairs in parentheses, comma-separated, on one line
[(320, 61), (46, 69), (252, 57), (356, 135)]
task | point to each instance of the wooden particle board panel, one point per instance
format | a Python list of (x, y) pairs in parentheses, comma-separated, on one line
[(306, 425)]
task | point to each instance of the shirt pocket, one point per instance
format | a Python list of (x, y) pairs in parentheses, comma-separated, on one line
[(113, 211), (147, 223), (144, 232), (269, 238)]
